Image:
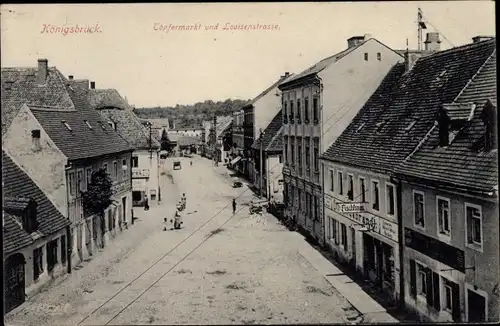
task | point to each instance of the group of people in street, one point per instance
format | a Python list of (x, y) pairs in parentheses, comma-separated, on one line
[(181, 206)]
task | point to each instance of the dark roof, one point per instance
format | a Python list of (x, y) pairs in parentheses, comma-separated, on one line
[(15, 203), (19, 86), (81, 141), (188, 140), (270, 134), (107, 98), (14, 236), (403, 109), (276, 144), (128, 125), (227, 130), (18, 184), (464, 163)]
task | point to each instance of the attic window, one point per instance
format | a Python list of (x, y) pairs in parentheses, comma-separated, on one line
[(360, 127), (88, 124), (366, 56), (67, 125), (112, 125), (408, 128)]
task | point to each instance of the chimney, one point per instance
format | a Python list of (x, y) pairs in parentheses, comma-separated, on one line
[(43, 71), (70, 77), (432, 42), (355, 40), (481, 38), (368, 36), (410, 58), (92, 85)]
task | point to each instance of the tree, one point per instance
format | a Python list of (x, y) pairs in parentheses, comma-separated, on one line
[(166, 144), (97, 198)]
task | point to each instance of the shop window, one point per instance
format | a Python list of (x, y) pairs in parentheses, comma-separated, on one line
[(418, 209), (375, 196), (443, 212), (350, 187), (37, 263), (474, 226)]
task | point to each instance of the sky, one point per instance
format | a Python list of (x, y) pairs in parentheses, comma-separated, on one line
[(154, 67)]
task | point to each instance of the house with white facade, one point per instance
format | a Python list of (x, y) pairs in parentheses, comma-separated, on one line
[(318, 104), (145, 158)]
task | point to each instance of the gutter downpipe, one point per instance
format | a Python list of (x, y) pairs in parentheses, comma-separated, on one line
[(69, 243), (321, 162), (401, 247)]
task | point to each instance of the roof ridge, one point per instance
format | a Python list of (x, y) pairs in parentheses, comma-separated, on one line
[(458, 49), (274, 137), (48, 196), (475, 75)]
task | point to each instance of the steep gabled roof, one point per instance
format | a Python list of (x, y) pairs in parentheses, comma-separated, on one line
[(19, 86), (111, 106), (81, 141), (269, 139), (267, 90), (17, 184), (464, 164), (14, 236), (402, 111)]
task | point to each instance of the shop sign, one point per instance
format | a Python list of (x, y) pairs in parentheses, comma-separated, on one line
[(389, 230), (351, 207)]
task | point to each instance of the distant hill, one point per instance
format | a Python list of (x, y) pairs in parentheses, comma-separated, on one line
[(192, 115)]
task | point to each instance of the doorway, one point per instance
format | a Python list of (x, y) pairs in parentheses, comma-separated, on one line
[(14, 282), (476, 305), (353, 246), (124, 205)]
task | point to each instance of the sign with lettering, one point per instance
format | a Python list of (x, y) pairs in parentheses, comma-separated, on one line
[(389, 230), (140, 173), (351, 207), (121, 187)]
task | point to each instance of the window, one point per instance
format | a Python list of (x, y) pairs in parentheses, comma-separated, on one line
[(124, 169), (292, 151), (153, 194), (315, 110), (285, 151), (308, 154), (391, 199), (280, 159), (88, 175), (306, 109), (66, 125), (37, 263), (51, 255), (35, 137), (443, 213), (291, 112), (379, 56), (341, 186), (362, 189), (336, 231), (447, 295), (299, 118), (366, 56), (332, 181), (316, 209), (63, 249), (79, 181), (285, 112), (299, 192), (474, 224), (135, 161), (105, 167), (375, 196), (418, 208), (316, 154), (110, 219), (115, 170), (422, 280), (71, 183), (350, 187), (344, 235), (88, 124), (299, 152)]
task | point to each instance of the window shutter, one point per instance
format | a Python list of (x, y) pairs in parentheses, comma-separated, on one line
[(435, 283), (430, 297), (413, 278), (455, 293)]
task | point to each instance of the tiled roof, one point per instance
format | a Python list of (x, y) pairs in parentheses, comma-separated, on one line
[(107, 98), (227, 130), (14, 236), (81, 141), (113, 107), (270, 134), (19, 86), (276, 144), (270, 88), (188, 140), (16, 183), (318, 67), (464, 163), (15, 203), (403, 109)]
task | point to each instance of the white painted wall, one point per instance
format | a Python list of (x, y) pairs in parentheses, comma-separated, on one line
[(265, 110), (45, 167), (151, 162), (274, 175), (348, 84)]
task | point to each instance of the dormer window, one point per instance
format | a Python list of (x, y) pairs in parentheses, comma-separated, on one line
[(24, 210), (66, 125), (112, 125), (452, 119), (35, 138), (410, 125), (88, 124), (489, 117)]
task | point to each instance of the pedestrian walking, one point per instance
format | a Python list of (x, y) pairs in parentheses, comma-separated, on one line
[(234, 206), (146, 205)]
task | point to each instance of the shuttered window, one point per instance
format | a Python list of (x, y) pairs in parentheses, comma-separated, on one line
[(413, 278)]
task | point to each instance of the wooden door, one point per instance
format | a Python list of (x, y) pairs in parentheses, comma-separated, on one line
[(14, 282)]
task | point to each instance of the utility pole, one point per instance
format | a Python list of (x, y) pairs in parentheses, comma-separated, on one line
[(150, 141), (214, 140), (261, 161)]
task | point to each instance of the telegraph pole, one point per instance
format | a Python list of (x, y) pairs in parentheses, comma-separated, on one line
[(261, 161), (150, 141), (214, 140)]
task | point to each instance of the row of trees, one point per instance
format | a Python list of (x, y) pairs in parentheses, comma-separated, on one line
[(192, 115)]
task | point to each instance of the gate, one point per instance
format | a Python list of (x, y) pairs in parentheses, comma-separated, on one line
[(14, 282)]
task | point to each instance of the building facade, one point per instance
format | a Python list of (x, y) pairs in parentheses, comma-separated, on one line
[(239, 156), (318, 104)]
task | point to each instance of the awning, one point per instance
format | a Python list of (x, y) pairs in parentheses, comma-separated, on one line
[(234, 161)]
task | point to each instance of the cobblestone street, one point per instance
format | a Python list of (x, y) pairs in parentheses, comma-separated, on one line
[(218, 268)]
